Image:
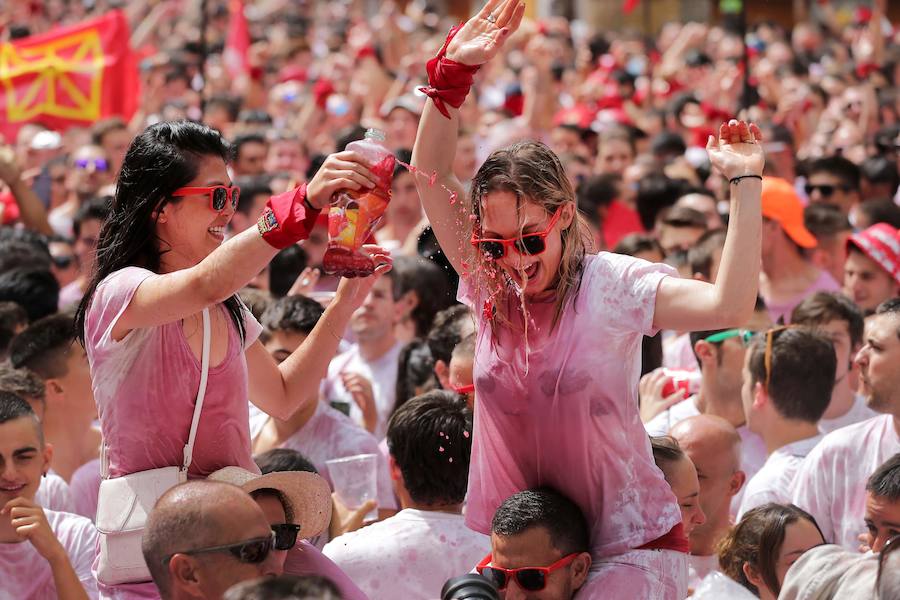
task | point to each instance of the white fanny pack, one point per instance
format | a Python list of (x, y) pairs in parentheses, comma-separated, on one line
[(125, 502)]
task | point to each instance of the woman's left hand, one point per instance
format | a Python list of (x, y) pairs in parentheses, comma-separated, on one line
[(738, 150), (353, 291)]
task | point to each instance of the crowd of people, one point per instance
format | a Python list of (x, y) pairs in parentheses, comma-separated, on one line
[(632, 328)]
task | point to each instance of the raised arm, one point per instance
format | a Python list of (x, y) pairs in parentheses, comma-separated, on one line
[(172, 296), (31, 211), (689, 305), (475, 43)]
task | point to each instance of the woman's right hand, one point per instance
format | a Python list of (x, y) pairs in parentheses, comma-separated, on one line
[(341, 170), (479, 40)]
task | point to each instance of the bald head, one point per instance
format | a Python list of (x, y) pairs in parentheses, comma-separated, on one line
[(194, 515), (707, 434)]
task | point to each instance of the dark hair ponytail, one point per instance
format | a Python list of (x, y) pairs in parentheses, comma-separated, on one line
[(163, 158)]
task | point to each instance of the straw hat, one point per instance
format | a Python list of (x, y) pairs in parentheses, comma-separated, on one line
[(306, 496)]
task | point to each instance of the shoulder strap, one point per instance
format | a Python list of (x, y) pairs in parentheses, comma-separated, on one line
[(201, 392)]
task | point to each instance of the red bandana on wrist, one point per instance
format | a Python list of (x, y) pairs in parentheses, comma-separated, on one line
[(449, 80)]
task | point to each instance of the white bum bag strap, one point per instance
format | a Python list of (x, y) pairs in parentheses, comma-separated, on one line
[(201, 391)]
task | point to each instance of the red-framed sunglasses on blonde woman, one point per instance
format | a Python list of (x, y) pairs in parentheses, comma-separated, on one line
[(219, 195)]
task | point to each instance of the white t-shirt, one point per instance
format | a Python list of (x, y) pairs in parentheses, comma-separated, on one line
[(753, 449), (858, 412), (831, 482), (774, 482), (699, 567), (410, 555), (53, 494), (26, 575), (85, 488), (383, 375), (331, 434)]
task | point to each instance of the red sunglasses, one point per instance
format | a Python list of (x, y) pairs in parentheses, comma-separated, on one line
[(464, 389), (531, 243), (531, 579), (219, 195)]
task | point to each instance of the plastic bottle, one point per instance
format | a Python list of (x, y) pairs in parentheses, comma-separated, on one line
[(354, 215)]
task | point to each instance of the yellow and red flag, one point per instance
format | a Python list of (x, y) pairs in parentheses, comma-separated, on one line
[(69, 76)]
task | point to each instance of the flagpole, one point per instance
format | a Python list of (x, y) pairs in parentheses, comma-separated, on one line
[(203, 52)]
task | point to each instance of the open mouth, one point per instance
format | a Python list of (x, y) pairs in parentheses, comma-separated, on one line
[(217, 232), (11, 488)]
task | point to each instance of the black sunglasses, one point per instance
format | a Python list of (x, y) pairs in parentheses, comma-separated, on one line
[(250, 551), (285, 535), (62, 261), (825, 190)]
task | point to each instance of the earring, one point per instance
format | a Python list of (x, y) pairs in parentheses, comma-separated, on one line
[(45, 474)]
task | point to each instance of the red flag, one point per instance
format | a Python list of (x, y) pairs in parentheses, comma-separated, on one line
[(69, 76), (238, 41), (629, 5)]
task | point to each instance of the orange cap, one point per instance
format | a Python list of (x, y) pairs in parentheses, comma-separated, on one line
[(781, 203)]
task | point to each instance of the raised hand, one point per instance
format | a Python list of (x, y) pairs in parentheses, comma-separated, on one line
[(738, 150), (479, 40), (353, 291), (342, 170), (30, 523)]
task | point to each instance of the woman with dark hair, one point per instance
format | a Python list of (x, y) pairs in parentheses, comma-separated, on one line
[(161, 261), (759, 550), (559, 328)]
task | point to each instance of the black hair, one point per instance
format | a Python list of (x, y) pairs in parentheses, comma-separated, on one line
[(42, 347), (430, 284), (843, 169), (247, 138), (252, 186), (12, 317), (668, 144), (635, 243), (683, 216), (95, 208), (403, 155), (700, 255), (677, 106), (353, 133), (231, 104), (415, 372), (823, 307), (656, 192), (880, 211), (880, 170), (430, 439), (278, 460), (35, 290), (595, 192), (284, 269), (801, 376), (292, 313), (825, 220), (885, 481), (285, 587), (163, 158), (547, 508), (13, 406), (447, 330), (22, 254)]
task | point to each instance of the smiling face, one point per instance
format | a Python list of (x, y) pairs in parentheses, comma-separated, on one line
[(188, 226), (682, 478), (23, 459), (501, 220)]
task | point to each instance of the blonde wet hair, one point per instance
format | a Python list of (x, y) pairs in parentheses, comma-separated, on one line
[(533, 173)]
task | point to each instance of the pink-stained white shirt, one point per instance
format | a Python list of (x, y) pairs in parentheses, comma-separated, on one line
[(85, 488), (145, 386), (410, 555), (782, 310), (563, 412), (699, 567), (831, 482), (381, 372), (306, 559), (26, 575), (679, 355), (331, 434), (774, 482), (53, 493), (858, 412)]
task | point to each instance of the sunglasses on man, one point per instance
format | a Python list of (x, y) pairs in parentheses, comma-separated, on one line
[(745, 334), (530, 243), (825, 190), (253, 551), (219, 195), (285, 535), (530, 579)]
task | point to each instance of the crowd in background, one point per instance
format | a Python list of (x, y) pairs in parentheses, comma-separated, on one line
[(780, 438)]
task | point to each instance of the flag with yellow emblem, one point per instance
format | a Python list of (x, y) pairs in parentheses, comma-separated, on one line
[(69, 76)]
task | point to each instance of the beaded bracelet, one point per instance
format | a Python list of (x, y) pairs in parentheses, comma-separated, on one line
[(735, 180)]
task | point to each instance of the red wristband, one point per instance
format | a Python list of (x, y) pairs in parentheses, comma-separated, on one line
[(449, 80), (287, 218)]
